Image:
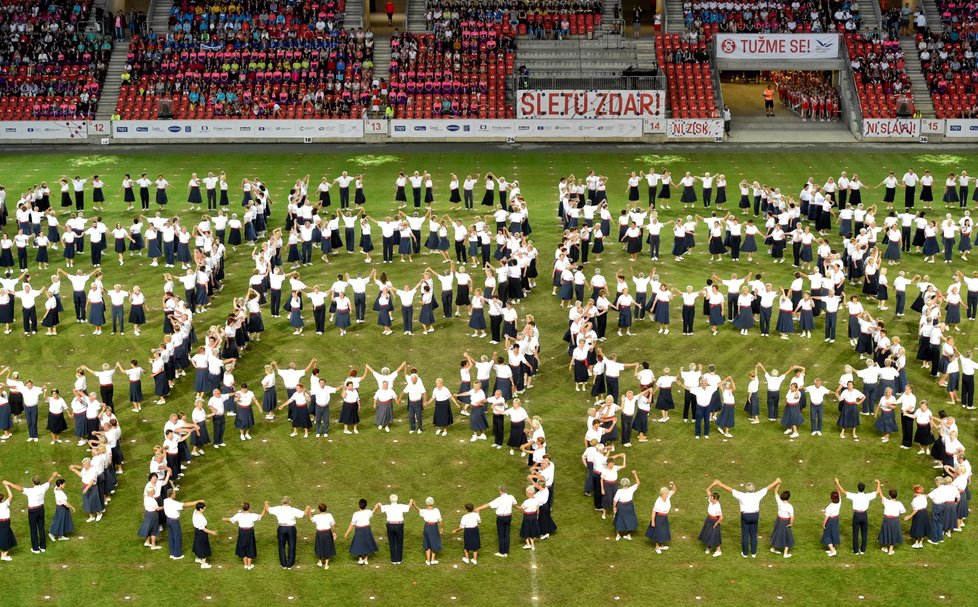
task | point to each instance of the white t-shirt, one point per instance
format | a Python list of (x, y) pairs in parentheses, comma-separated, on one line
[(503, 505), (286, 515), (749, 501)]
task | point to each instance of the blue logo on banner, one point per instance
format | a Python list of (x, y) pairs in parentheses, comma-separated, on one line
[(142, 129), (973, 127), (523, 128), (421, 128), (261, 128), (122, 129), (399, 129), (956, 127), (174, 129), (452, 127)]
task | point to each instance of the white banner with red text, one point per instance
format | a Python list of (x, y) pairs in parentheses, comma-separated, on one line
[(891, 128), (516, 129), (590, 104), (44, 129), (777, 46), (961, 127), (237, 129), (694, 128)]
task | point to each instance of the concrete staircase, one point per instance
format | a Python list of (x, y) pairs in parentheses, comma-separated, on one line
[(92, 25), (353, 17), (416, 10), (933, 15), (579, 57), (159, 21), (921, 95), (871, 15), (382, 55), (674, 16), (113, 81), (645, 53)]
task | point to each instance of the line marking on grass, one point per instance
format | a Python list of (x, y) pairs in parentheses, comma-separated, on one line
[(534, 586)]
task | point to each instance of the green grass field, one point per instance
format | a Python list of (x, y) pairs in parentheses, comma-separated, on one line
[(582, 564)]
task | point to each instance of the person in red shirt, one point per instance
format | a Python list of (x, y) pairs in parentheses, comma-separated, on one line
[(389, 9)]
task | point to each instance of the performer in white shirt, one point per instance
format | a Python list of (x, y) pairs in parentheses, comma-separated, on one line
[(287, 516), (750, 506)]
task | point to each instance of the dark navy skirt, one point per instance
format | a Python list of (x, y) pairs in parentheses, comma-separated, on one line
[(202, 544), (710, 534), (920, 525), (661, 533), (530, 527), (62, 524), (471, 539), (831, 534), (363, 542), (325, 546), (150, 525), (625, 519), (246, 548), (890, 532), (7, 539), (431, 538), (782, 536)]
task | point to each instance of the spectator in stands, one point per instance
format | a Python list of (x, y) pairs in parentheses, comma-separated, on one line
[(48, 57), (905, 13), (268, 59), (119, 26), (636, 21), (389, 9), (920, 21)]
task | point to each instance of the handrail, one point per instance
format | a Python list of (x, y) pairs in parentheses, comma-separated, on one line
[(849, 90), (878, 12), (715, 77), (150, 11)]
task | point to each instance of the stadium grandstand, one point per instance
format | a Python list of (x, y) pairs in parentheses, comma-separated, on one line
[(842, 65)]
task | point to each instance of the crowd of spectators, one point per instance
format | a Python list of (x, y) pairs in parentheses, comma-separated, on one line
[(879, 61), (708, 17), (50, 67), (879, 73), (550, 19), (255, 59), (459, 69), (810, 95), (124, 25), (948, 61)]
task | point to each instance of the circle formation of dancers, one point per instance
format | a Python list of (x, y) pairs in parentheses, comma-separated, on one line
[(498, 246)]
